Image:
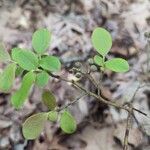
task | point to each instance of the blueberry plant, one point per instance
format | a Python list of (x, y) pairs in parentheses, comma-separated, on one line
[(36, 67)]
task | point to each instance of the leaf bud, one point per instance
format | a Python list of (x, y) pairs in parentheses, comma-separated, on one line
[(78, 75), (93, 68), (78, 64), (90, 61)]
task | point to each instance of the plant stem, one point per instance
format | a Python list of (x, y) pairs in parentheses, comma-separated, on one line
[(71, 103), (98, 97), (127, 107)]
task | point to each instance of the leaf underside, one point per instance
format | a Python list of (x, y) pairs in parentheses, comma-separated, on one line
[(34, 125), (7, 78), (48, 99)]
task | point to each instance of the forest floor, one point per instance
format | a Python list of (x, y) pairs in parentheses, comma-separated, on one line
[(71, 22)]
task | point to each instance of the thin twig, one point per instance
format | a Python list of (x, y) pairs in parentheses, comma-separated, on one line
[(139, 111), (98, 97), (71, 103), (133, 97), (138, 124), (128, 127), (100, 82), (92, 80), (127, 107)]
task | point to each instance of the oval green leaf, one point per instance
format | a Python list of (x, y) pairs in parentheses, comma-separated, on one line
[(117, 65), (101, 40), (34, 125), (49, 100), (68, 123), (50, 63), (19, 97), (7, 77), (53, 116), (42, 79), (25, 58), (41, 40), (98, 60), (4, 55)]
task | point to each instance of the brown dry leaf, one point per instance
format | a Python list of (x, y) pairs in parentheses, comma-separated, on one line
[(93, 139), (40, 146), (135, 136), (5, 123), (106, 93)]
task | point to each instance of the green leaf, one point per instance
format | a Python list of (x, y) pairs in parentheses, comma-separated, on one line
[(53, 116), (42, 79), (101, 40), (49, 99), (98, 60), (25, 58), (19, 97), (41, 40), (68, 123), (117, 65), (50, 63), (7, 77), (4, 55), (34, 125)]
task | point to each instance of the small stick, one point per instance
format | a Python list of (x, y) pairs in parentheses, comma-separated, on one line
[(128, 108), (98, 97), (140, 112), (128, 127), (71, 103)]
